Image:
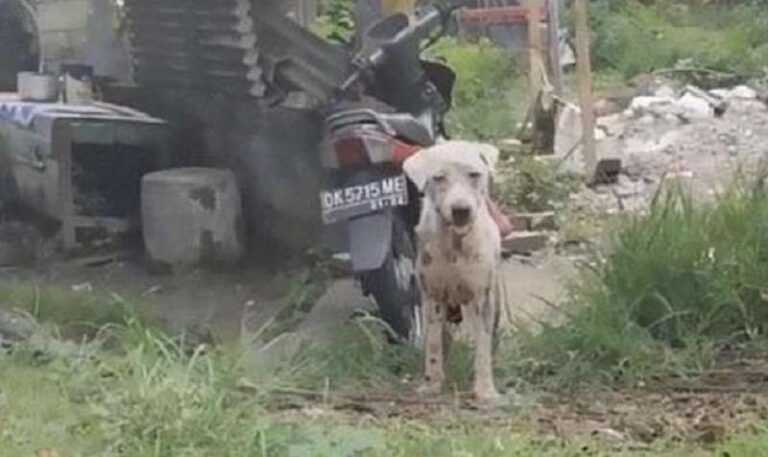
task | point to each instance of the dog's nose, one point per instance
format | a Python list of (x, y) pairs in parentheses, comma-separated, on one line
[(460, 215)]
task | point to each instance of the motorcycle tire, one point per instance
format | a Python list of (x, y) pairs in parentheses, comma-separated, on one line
[(395, 289)]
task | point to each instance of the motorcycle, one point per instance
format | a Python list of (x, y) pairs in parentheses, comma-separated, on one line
[(392, 105)]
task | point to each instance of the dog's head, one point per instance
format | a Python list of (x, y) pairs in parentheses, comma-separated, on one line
[(455, 177)]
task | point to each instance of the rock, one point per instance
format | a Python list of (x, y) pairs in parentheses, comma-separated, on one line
[(525, 242), (651, 104), (672, 119), (648, 119), (627, 189), (15, 327), (544, 220), (510, 146), (720, 93), (612, 125), (743, 92), (606, 107), (665, 92), (607, 171), (567, 143), (693, 107)]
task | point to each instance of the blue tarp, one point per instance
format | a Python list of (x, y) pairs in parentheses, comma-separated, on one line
[(25, 113)]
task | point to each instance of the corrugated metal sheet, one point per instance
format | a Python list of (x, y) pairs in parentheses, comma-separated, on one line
[(196, 44), (230, 46)]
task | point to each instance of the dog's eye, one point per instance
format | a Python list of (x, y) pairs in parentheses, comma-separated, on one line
[(475, 175)]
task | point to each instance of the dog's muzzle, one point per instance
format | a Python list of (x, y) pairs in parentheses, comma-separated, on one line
[(461, 216)]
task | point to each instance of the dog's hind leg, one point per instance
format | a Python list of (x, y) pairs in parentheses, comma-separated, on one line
[(434, 373), (482, 319)]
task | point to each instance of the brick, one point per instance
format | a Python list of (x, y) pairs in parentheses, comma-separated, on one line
[(525, 242)]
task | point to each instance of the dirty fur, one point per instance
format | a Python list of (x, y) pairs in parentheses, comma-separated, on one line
[(459, 255)]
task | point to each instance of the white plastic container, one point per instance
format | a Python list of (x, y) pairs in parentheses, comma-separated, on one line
[(37, 87)]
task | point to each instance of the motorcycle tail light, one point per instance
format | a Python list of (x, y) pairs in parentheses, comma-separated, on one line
[(402, 151), (351, 151)]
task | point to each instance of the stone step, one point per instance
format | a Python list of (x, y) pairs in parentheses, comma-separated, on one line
[(525, 242)]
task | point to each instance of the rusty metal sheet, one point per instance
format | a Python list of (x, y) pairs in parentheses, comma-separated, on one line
[(505, 15)]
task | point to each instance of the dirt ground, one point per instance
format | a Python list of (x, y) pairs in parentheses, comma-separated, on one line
[(256, 294)]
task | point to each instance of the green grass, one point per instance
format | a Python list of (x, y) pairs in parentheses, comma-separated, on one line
[(634, 38), (490, 95), (134, 392), (146, 397), (663, 295), (75, 313), (527, 184)]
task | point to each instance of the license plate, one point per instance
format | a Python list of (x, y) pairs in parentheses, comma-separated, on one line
[(348, 202)]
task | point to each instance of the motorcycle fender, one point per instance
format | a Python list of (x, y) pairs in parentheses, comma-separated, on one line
[(370, 240)]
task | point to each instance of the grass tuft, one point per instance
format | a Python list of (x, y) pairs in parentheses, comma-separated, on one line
[(670, 288)]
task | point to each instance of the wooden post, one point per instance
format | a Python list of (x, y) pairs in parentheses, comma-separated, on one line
[(535, 59), (584, 76), (397, 6), (553, 11)]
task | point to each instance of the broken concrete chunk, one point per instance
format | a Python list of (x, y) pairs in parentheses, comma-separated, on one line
[(525, 242), (606, 107), (612, 125), (665, 92), (539, 221), (693, 107), (543, 221), (651, 104), (744, 92), (568, 142)]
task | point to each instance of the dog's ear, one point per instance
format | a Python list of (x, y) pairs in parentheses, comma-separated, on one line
[(489, 154), (418, 168)]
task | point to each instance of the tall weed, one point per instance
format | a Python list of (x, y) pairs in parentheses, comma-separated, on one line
[(670, 286)]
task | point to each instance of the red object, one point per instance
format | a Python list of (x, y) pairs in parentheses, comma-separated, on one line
[(500, 15), (351, 151), (402, 151), (501, 219)]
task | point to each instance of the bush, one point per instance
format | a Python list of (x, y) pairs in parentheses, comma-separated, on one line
[(533, 185), (488, 98), (336, 22), (634, 38)]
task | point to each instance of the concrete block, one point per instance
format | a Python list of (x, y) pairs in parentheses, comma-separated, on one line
[(191, 217)]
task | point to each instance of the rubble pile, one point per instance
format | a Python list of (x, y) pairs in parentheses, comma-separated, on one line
[(701, 138)]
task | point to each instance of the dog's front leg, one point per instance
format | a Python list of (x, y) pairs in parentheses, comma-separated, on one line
[(434, 374), (481, 315)]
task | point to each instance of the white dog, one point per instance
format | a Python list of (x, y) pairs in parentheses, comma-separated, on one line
[(459, 254)]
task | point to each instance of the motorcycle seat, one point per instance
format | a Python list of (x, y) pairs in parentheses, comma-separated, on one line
[(409, 128)]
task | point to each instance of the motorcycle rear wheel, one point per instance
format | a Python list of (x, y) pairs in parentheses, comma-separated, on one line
[(395, 289)]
